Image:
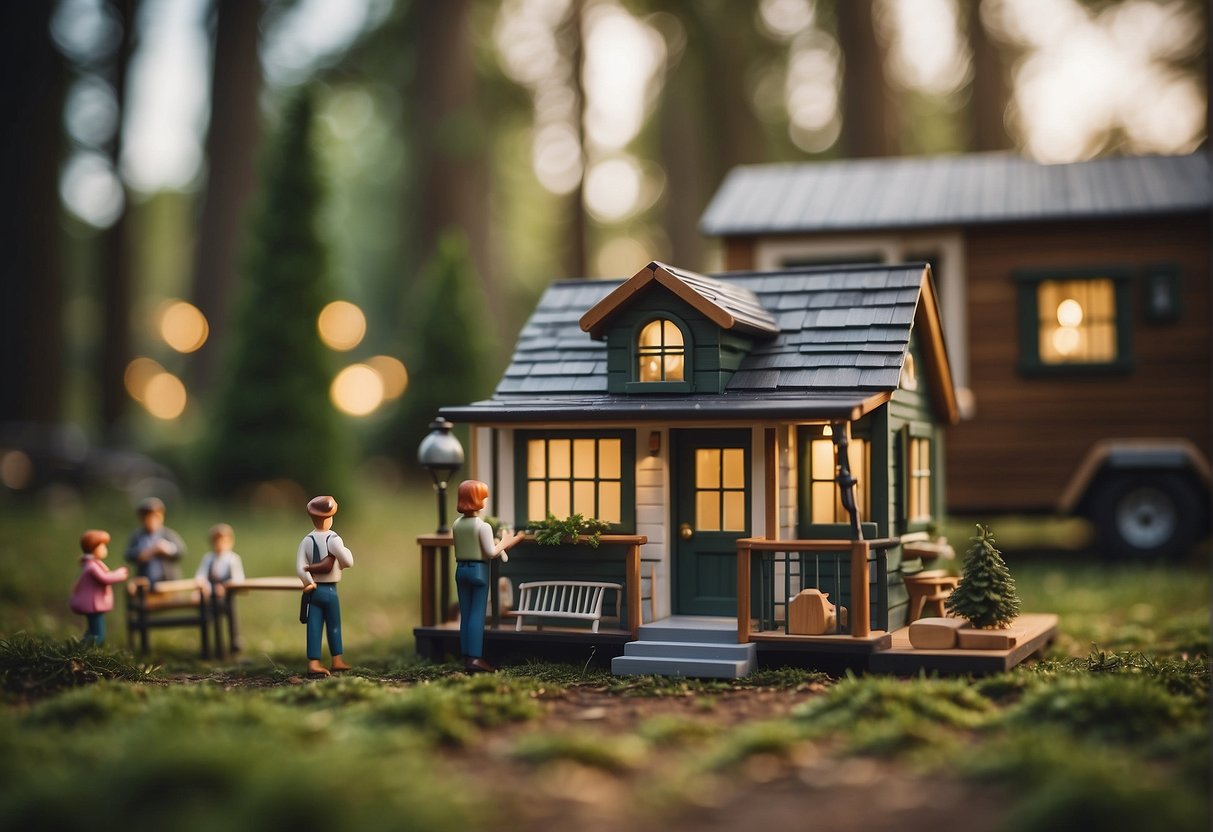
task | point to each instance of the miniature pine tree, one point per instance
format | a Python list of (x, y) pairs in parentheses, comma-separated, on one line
[(986, 594), (273, 418), (451, 361)]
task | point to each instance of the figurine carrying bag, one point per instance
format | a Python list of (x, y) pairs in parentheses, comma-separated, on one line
[(319, 566)]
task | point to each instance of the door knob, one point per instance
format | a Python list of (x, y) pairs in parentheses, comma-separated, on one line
[(685, 531)]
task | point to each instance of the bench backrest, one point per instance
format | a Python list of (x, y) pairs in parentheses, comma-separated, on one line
[(572, 597)]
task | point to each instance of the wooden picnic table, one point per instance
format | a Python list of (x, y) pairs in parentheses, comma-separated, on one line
[(223, 607)]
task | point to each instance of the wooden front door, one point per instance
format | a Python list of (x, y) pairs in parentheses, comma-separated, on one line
[(711, 510)]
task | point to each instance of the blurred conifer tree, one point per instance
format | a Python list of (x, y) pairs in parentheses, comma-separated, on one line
[(452, 359), (273, 418)]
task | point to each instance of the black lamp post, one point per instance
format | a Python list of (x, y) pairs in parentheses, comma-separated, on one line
[(442, 455)]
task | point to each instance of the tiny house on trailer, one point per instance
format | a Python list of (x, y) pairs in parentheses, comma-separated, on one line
[(1075, 299), (705, 419)]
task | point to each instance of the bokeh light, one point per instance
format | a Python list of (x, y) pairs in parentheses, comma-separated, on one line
[(612, 189), (165, 396), (138, 374), (357, 390), (16, 469), (342, 325), (392, 372), (183, 326)]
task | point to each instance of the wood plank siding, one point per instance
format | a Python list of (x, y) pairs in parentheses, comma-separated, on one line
[(1030, 433)]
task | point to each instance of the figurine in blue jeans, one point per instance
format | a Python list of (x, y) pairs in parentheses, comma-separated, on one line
[(318, 563), (474, 547)]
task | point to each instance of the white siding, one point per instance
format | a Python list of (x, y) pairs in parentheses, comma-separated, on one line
[(653, 521)]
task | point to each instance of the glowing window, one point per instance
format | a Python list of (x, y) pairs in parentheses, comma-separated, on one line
[(720, 489), (661, 352), (825, 499), (575, 475), (918, 481), (1077, 321)]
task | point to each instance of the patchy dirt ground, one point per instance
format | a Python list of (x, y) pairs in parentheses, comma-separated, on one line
[(813, 784), (810, 784)]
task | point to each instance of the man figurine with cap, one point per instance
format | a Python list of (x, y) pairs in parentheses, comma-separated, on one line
[(321, 557), (155, 550)]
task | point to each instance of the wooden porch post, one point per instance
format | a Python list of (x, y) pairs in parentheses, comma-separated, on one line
[(633, 582), (428, 554), (743, 592), (860, 601)]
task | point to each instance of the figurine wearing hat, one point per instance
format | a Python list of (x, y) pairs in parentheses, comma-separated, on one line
[(154, 550), (321, 557)]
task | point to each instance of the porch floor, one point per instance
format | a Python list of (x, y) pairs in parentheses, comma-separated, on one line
[(880, 653)]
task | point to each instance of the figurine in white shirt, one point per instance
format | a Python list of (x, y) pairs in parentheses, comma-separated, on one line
[(318, 563), (220, 564)]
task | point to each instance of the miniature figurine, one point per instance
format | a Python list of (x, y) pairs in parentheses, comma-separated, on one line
[(320, 573), (474, 545), (221, 564), (154, 549), (92, 595)]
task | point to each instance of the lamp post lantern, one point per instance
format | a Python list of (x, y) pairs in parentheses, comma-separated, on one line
[(442, 455)]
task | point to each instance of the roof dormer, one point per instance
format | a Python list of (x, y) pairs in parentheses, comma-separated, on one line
[(669, 330)]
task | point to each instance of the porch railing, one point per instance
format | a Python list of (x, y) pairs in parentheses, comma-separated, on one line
[(436, 564), (801, 560)]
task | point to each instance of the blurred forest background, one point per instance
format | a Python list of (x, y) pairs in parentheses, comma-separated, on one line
[(261, 242)]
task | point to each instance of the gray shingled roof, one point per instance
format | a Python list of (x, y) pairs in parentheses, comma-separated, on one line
[(843, 335), (909, 192), (733, 298)]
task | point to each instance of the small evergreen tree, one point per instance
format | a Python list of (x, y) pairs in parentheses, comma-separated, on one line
[(986, 594), (273, 418), (451, 358)]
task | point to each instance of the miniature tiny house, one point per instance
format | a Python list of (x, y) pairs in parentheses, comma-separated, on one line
[(1076, 303), (703, 418)]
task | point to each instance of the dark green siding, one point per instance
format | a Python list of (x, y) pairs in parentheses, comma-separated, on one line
[(532, 562)]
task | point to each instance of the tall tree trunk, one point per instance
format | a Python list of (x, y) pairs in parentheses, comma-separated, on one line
[(991, 92), (577, 262), (869, 108), (450, 143), (116, 292), (31, 313), (707, 122), (232, 140)]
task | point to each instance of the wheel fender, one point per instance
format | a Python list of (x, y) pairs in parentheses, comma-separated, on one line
[(1115, 455)]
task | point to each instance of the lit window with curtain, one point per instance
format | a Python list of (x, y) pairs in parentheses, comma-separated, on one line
[(1076, 321)]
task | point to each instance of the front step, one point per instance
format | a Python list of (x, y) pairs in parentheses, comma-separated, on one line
[(691, 650), (696, 668), (702, 647)]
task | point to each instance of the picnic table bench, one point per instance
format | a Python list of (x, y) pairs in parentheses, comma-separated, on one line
[(223, 606)]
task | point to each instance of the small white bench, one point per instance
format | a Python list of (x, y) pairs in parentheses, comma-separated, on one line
[(580, 600)]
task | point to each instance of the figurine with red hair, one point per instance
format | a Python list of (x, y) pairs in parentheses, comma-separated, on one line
[(92, 596), (474, 547)]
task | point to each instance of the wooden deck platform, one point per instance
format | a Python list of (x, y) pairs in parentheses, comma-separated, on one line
[(880, 652), (505, 645), (1032, 632)]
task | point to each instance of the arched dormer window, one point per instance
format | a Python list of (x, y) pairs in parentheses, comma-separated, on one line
[(660, 352)]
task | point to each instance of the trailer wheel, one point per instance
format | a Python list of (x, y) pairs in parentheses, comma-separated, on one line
[(1147, 516)]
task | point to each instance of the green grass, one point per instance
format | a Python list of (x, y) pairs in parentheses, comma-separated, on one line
[(1109, 731)]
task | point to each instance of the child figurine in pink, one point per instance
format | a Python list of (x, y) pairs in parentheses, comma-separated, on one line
[(92, 595), (318, 563)]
